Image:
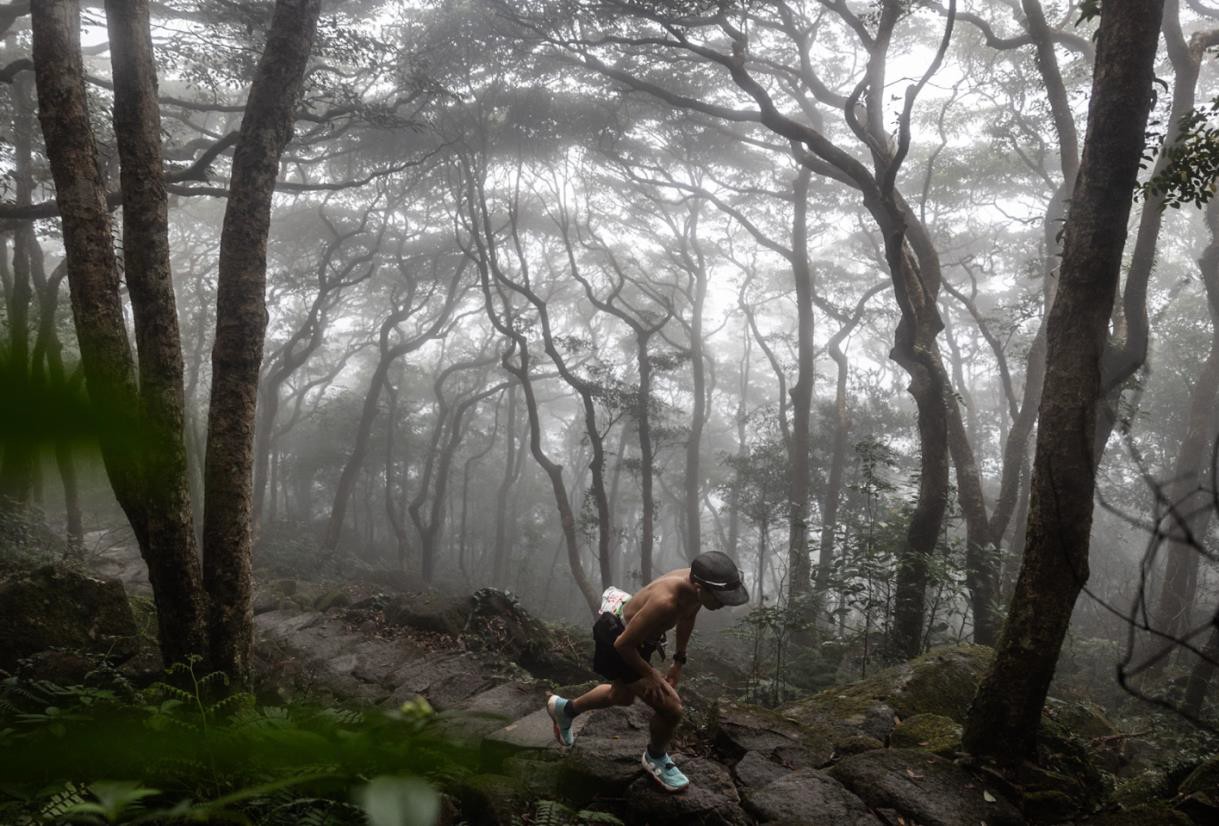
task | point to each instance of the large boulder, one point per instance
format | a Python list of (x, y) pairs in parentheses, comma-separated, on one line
[(498, 622), (923, 788), (606, 756), (1198, 794), (429, 611), (943, 681), (494, 621), (808, 797), (740, 728), (57, 607), (710, 800), (930, 732)]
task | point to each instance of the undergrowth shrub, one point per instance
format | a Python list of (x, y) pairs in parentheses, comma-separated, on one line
[(106, 752)]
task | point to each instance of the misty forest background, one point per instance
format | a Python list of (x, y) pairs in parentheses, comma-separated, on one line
[(559, 294)]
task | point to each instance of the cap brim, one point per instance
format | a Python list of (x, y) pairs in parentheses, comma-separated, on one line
[(732, 596)]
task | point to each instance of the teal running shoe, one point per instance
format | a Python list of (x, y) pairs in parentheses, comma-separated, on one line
[(664, 772), (556, 706)]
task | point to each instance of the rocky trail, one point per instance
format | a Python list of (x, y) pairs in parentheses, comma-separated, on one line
[(877, 752)]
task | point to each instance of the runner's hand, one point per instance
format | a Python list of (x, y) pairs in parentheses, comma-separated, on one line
[(674, 674), (655, 689)]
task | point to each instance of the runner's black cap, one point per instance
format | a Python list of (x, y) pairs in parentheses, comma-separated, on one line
[(717, 573)]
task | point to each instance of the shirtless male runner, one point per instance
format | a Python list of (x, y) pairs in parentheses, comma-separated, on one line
[(627, 634)]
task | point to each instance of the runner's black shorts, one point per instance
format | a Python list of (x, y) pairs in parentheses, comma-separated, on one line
[(606, 660)]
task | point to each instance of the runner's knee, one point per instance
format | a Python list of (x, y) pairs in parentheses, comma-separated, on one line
[(670, 709), (621, 695)]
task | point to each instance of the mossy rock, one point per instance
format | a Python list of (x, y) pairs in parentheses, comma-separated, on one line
[(1203, 779), (1141, 789), (929, 732), (857, 744), (1081, 718), (943, 681), (57, 607), (1065, 763)]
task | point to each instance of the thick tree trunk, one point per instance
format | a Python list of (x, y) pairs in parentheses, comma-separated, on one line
[(241, 321), (97, 308), (172, 555), (1004, 718)]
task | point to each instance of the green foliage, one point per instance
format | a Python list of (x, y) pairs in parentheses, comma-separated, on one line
[(769, 628), (182, 751), (1192, 164)]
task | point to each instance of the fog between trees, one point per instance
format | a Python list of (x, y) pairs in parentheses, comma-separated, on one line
[(560, 294)]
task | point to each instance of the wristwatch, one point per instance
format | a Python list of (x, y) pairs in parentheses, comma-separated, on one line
[(680, 658)]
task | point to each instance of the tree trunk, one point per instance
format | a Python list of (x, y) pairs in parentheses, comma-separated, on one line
[(241, 322), (838, 447), (173, 566), (106, 356), (981, 548), (1202, 674), (799, 572), (50, 349), (17, 466), (1188, 489), (698, 417), (359, 452), (503, 531), (742, 451), (647, 459), (1123, 359), (1004, 718)]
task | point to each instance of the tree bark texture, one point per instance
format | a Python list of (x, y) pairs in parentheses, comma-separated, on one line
[(97, 308), (172, 555), (1004, 718), (241, 321)]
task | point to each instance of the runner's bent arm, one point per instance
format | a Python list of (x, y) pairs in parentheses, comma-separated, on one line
[(649, 622), (685, 627)]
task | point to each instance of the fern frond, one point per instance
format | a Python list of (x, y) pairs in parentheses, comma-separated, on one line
[(59, 803), (551, 813)]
